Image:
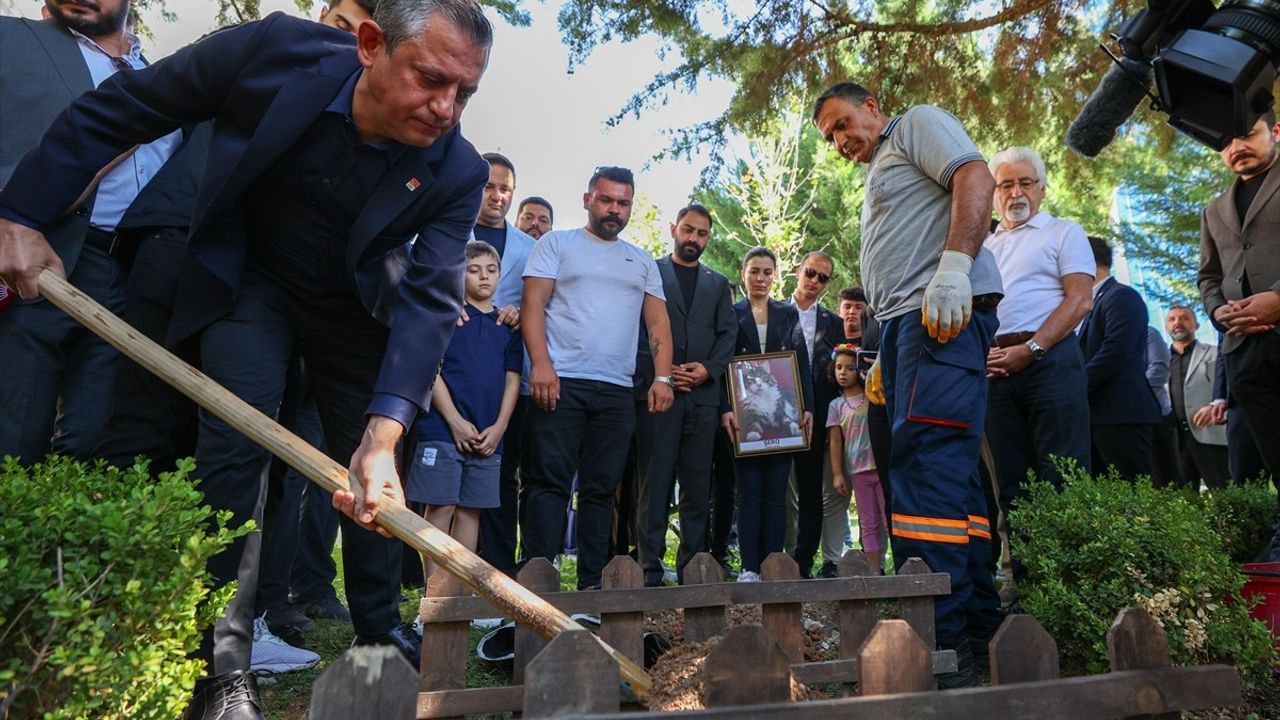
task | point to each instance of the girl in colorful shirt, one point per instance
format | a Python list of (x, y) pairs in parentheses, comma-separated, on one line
[(850, 446)]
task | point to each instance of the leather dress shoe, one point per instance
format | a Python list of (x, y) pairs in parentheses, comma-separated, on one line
[(233, 696), (402, 637)]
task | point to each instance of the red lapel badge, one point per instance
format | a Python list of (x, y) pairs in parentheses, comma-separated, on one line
[(413, 184)]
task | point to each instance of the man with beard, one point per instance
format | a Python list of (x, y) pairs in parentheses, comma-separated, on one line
[(534, 216), (1037, 400), (54, 374), (585, 290), (498, 525), (1240, 281), (680, 440), (1201, 443)]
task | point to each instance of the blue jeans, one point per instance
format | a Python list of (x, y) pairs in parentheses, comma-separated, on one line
[(937, 399)]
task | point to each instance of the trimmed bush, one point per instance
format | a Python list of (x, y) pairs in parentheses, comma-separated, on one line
[(1101, 544), (103, 589), (1244, 517)]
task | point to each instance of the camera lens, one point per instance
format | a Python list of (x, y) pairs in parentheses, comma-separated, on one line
[(1256, 22)]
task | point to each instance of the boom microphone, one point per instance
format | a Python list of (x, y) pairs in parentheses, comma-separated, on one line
[(1118, 95)]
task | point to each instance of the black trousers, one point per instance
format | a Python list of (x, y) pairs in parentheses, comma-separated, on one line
[(589, 433), (1167, 467), (498, 525), (723, 489), (678, 441), (1201, 461), (1127, 447), (299, 524), (1253, 375), (55, 374), (249, 352), (808, 466), (148, 416), (881, 432)]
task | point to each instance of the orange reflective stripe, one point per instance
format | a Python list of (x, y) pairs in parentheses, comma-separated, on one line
[(979, 527), (930, 529), (938, 522), (930, 537)]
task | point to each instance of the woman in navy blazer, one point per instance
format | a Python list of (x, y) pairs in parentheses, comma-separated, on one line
[(764, 325)]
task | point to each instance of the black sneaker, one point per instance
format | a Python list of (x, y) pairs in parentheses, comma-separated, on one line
[(966, 673), (401, 637), (287, 620), (828, 570), (329, 608)]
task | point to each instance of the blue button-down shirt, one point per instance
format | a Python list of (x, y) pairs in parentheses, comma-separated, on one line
[(122, 184)]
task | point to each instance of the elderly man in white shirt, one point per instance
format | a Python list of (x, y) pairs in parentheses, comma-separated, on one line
[(1038, 402)]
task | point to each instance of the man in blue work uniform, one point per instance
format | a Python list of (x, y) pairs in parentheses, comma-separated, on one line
[(934, 290)]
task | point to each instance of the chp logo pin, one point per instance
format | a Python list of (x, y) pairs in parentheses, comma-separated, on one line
[(413, 184)]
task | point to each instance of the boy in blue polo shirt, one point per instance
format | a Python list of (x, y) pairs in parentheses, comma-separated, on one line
[(458, 456)]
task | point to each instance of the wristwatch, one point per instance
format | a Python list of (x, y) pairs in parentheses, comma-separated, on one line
[(1037, 352), (666, 379)]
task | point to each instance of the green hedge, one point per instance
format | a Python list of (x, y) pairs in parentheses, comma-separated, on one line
[(103, 589), (1101, 544), (1243, 516)]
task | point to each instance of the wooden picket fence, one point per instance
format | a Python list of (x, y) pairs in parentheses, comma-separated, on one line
[(754, 665), (704, 599)]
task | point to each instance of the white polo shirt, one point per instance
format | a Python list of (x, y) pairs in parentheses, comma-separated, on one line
[(1033, 258)]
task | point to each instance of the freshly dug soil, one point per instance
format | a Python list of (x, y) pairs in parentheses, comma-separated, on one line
[(677, 676), (678, 683)]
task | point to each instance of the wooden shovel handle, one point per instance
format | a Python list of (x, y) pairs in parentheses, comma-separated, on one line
[(506, 594)]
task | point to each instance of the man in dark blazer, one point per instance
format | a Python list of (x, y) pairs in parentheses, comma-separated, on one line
[(680, 440), (823, 329), (52, 371), (326, 160), (1240, 281), (1113, 337)]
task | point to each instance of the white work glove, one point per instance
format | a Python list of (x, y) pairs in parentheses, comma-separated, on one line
[(948, 300), (873, 387)]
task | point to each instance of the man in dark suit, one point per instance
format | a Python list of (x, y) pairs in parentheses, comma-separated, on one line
[(1122, 408), (52, 371), (1240, 281), (680, 440), (823, 329), (325, 161)]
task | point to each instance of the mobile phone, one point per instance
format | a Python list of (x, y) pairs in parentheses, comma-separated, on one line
[(865, 359)]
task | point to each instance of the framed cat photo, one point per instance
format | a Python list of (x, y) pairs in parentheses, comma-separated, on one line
[(768, 403)]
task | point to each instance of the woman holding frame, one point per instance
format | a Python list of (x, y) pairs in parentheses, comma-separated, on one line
[(765, 325)]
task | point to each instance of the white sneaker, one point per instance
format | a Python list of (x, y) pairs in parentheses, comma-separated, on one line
[(748, 576), (271, 655)]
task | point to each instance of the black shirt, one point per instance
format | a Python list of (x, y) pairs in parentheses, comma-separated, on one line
[(497, 237), (302, 208), (688, 279), (1246, 191), (1178, 364)]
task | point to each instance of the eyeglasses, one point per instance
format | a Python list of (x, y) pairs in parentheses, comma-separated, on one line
[(1024, 184), (822, 277)]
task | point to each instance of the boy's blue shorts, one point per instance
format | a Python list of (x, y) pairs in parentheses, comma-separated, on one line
[(440, 475)]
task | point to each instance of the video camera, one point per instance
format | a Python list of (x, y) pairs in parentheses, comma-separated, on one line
[(1213, 68)]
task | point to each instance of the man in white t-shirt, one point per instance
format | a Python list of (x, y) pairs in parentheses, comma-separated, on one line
[(585, 292), (1037, 397)]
